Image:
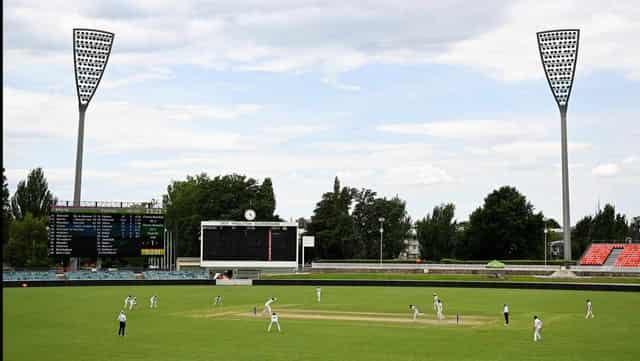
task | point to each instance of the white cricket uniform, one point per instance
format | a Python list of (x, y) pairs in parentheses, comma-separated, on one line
[(132, 303), (435, 303), (589, 310), (153, 302), (439, 308), (126, 302), (274, 320), (267, 306), (537, 327), (416, 311), (318, 293)]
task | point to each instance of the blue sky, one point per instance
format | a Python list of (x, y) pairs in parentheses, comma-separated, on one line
[(435, 102)]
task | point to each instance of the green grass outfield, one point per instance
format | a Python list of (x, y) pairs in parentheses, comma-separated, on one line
[(79, 323), (446, 277)]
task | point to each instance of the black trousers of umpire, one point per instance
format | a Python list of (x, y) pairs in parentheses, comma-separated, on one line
[(506, 318), (121, 329)]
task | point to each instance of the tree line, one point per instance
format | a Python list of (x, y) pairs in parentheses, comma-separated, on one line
[(346, 221)]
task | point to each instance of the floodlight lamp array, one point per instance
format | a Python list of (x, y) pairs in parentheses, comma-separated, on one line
[(91, 50), (559, 52)]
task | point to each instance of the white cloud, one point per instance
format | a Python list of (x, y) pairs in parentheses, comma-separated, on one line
[(423, 175), (154, 74), (467, 129), (536, 149), (120, 126), (333, 82), (608, 39), (606, 170)]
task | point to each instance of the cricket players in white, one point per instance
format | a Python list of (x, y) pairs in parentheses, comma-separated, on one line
[(439, 308), (267, 306), (153, 302), (318, 293), (415, 310), (132, 303), (274, 320), (435, 302), (126, 301), (537, 327), (217, 300), (589, 310)]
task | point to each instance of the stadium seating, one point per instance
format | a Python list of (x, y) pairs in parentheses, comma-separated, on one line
[(175, 275), (596, 255), (29, 276), (101, 275), (630, 256)]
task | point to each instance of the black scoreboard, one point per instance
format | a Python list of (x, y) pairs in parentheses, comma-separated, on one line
[(94, 232), (266, 243)]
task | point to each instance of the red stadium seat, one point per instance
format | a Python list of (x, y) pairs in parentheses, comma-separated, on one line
[(630, 256), (597, 254)]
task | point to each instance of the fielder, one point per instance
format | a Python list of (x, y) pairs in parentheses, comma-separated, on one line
[(318, 293), (274, 320), (589, 310), (217, 300), (153, 302), (126, 302), (132, 303), (537, 327), (435, 302), (439, 308), (267, 306), (416, 311)]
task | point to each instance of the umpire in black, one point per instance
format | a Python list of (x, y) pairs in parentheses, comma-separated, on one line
[(505, 312), (123, 323)]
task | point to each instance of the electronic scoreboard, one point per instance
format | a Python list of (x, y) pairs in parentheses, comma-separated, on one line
[(249, 244), (95, 232)]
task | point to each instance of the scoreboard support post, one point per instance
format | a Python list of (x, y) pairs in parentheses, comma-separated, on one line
[(307, 241)]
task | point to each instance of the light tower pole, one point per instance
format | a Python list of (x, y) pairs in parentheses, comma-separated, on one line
[(559, 53), (91, 50), (381, 220)]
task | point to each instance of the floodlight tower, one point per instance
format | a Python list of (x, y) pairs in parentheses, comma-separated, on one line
[(559, 53), (91, 50)]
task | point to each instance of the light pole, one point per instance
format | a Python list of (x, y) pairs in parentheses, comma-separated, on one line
[(91, 50), (559, 53), (381, 219), (545, 245)]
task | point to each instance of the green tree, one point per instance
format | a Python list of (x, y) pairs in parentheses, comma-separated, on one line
[(581, 236), (331, 223), (437, 233), (505, 227), (266, 201), (200, 197), (634, 228), (606, 225), (27, 246), (366, 225), (397, 225), (6, 209), (32, 196), (609, 225), (552, 223)]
